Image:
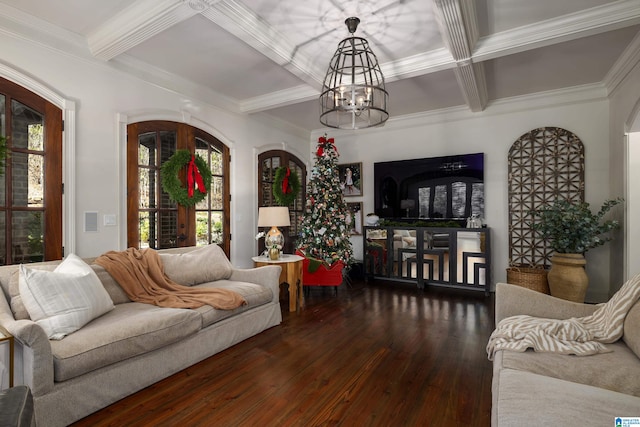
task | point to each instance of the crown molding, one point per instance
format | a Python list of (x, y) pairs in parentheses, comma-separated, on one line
[(279, 98), (568, 27), (541, 100), (172, 82), (19, 25), (417, 65), (140, 21), (629, 59)]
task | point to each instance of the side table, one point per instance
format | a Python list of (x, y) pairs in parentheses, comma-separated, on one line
[(291, 274), (6, 337)]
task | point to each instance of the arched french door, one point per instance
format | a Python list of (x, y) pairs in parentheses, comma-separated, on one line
[(153, 219), (30, 177)]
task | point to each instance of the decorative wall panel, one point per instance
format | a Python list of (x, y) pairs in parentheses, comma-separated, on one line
[(545, 164)]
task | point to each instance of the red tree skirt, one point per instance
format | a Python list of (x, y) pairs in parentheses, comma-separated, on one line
[(323, 276)]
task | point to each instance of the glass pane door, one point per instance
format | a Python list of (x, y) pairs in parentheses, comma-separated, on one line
[(27, 183), (157, 214), (210, 211)]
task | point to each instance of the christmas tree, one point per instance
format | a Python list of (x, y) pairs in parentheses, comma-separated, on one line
[(324, 233)]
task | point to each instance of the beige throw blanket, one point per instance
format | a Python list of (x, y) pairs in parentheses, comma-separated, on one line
[(580, 336), (140, 273)]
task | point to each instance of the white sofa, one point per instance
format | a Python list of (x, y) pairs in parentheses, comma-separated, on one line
[(546, 389), (133, 345)]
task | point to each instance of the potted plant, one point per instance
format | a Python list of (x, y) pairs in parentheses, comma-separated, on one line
[(571, 229)]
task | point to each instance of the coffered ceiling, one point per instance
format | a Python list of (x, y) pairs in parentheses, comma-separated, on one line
[(270, 56)]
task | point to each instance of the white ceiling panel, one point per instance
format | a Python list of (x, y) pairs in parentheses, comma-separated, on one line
[(578, 62), (202, 52)]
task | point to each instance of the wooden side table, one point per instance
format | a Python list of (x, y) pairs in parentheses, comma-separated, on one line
[(291, 274), (6, 337)]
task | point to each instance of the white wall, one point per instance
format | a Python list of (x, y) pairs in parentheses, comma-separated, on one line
[(584, 113), (105, 100)]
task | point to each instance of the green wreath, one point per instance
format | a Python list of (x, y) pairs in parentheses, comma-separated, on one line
[(285, 199), (171, 182)]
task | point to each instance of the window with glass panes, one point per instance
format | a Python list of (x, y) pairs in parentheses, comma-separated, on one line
[(210, 212), (30, 178), (156, 221)]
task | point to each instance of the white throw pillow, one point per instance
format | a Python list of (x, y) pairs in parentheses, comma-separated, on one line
[(64, 300)]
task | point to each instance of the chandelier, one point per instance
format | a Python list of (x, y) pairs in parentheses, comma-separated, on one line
[(353, 93)]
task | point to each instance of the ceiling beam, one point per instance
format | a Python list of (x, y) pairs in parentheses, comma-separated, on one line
[(459, 28), (138, 22), (597, 20), (472, 81)]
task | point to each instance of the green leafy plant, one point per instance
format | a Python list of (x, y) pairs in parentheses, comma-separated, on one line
[(572, 227), (171, 184), (286, 186)]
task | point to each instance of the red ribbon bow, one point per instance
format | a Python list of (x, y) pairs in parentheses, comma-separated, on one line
[(286, 188), (322, 141), (193, 176)]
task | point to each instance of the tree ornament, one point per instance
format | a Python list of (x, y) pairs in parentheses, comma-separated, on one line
[(286, 186), (323, 233), (198, 178)]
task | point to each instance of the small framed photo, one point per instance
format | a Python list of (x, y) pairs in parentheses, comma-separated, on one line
[(351, 179), (354, 221)]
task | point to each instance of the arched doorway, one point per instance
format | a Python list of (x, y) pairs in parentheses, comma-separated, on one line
[(632, 196)]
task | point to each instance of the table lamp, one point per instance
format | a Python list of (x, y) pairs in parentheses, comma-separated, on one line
[(274, 217), (407, 204)]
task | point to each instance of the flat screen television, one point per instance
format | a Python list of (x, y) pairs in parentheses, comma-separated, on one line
[(448, 187)]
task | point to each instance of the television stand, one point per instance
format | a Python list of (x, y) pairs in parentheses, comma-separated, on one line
[(453, 257)]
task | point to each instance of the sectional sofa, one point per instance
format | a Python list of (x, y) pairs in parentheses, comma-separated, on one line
[(132, 345)]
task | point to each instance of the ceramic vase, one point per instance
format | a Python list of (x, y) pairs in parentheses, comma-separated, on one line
[(274, 254), (567, 278)]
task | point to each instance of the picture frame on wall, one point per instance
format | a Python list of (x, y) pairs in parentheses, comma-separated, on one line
[(350, 179), (355, 218)]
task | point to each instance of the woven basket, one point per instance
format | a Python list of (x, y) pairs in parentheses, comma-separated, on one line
[(534, 278)]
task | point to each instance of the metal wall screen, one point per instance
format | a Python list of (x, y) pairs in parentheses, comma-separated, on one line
[(545, 164)]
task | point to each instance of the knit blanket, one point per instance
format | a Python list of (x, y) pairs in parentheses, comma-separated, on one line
[(581, 336), (141, 275)]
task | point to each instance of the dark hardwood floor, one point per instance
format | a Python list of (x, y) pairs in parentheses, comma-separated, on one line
[(376, 354)]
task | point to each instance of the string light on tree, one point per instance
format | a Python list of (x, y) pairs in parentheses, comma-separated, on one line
[(324, 233)]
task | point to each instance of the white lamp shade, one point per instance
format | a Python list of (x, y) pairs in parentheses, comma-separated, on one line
[(270, 216), (407, 204)]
